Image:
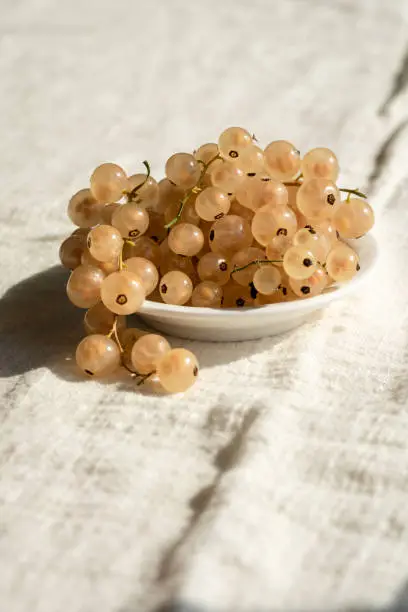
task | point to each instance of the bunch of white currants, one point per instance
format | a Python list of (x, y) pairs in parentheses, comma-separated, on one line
[(231, 225)]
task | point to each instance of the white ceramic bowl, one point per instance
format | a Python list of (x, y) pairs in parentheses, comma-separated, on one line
[(225, 325)]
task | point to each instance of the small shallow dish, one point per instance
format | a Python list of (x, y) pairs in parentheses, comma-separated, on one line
[(225, 325)]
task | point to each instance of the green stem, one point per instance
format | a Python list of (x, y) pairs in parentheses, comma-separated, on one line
[(132, 193), (356, 192), (190, 192), (256, 262)]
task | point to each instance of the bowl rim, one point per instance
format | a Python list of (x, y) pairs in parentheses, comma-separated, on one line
[(368, 242)]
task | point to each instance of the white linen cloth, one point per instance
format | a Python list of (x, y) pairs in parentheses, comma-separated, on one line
[(279, 482)]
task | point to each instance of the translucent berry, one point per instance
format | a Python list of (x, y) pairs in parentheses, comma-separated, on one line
[(232, 141), (342, 263), (206, 152), (99, 320), (104, 242), (147, 352), (320, 163), (207, 294), (175, 287), (122, 292), (97, 355), (318, 198), (131, 220), (309, 287), (147, 194), (251, 160), (177, 370), (267, 279), (108, 183), (229, 235), (278, 246), (314, 241), (214, 267), (186, 239), (299, 263), (282, 160), (269, 222), (183, 170), (353, 218), (227, 176), (71, 250), (84, 286), (237, 296), (84, 210), (212, 204)]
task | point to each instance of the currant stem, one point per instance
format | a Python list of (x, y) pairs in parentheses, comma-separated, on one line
[(256, 262), (114, 332), (144, 378), (196, 189), (132, 193), (356, 192)]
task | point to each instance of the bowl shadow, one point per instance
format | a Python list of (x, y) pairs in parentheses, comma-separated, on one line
[(40, 327)]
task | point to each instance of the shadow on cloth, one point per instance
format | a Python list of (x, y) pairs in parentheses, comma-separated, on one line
[(39, 326), (400, 604)]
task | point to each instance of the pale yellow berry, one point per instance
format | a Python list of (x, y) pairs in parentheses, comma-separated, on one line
[(269, 222), (99, 320), (147, 194), (131, 220), (84, 286), (229, 235), (342, 263), (176, 288), (177, 370), (206, 152), (318, 198), (282, 160), (314, 241), (232, 140), (147, 352), (104, 242), (320, 163), (309, 287), (227, 176), (353, 218), (84, 210), (108, 183), (186, 239), (71, 250), (183, 170), (212, 204), (98, 355), (122, 292), (207, 294), (267, 279), (299, 263), (214, 267)]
